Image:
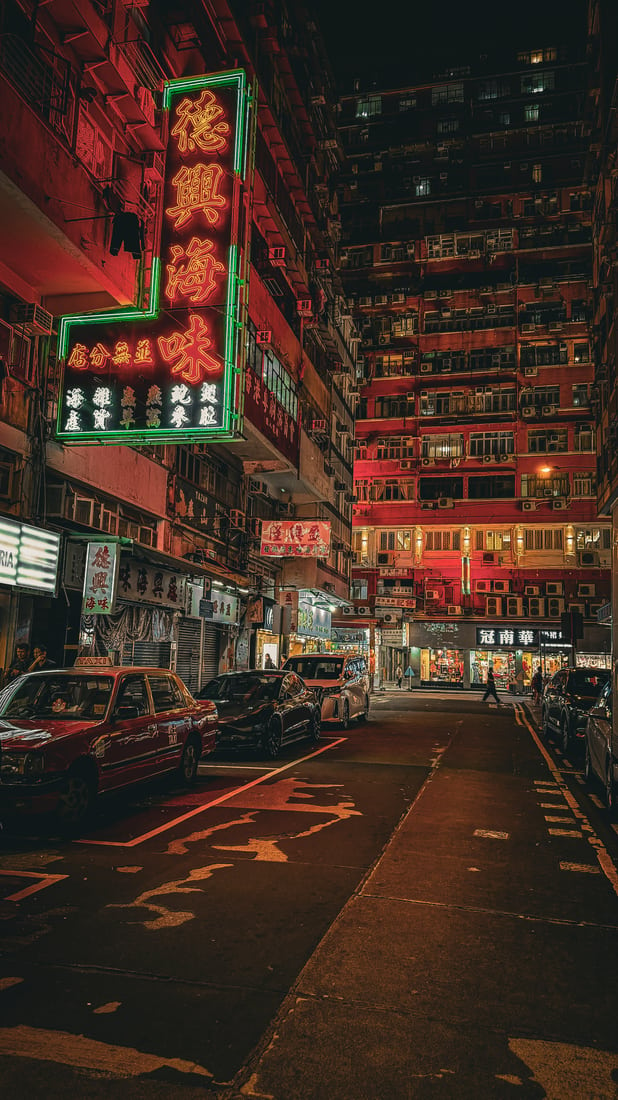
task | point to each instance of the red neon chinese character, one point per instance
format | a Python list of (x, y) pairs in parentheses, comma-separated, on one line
[(99, 356), (122, 355), (197, 125), (143, 353), (197, 278), (190, 350), (78, 357), (197, 189)]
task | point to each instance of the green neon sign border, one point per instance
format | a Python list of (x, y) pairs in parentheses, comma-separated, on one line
[(235, 303)]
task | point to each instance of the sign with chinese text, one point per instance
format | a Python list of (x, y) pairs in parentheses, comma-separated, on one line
[(313, 622), (100, 578), (143, 583), (395, 601), (295, 539), (263, 410), (28, 556), (224, 608), (394, 637), (517, 637), (174, 371), (288, 597)]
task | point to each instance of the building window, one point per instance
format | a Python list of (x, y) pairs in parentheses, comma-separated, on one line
[(407, 102), (395, 447), (447, 125), (359, 589), (497, 540), (447, 93), (442, 446), (504, 118), (535, 83), (545, 539), (593, 538), (580, 395), (442, 540), (545, 485), (392, 489), (422, 186), (532, 112), (537, 173), (491, 443), (395, 540), (581, 353), (391, 407), (584, 485), (369, 106), (584, 437), (544, 441), (498, 487), (361, 491)]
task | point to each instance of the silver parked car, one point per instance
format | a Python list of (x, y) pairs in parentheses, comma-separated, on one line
[(601, 747)]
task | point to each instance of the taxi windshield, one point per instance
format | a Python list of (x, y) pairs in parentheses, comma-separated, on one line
[(59, 695)]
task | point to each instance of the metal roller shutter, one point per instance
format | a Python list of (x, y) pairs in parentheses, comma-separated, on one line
[(152, 654), (210, 652), (188, 654)]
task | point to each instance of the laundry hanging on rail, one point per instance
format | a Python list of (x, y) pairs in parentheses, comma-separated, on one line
[(128, 230)]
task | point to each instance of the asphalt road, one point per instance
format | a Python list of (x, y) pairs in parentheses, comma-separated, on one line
[(422, 906)]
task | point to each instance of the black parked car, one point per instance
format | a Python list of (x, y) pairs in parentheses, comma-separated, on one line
[(567, 699), (262, 709)]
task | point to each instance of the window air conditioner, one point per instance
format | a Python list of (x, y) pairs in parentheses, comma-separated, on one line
[(453, 609), (555, 607), (277, 257), (493, 605), (33, 318), (446, 502), (531, 372), (483, 586), (588, 557), (532, 590), (528, 505), (514, 607), (536, 608), (433, 594), (586, 590), (385, 559), (489, 558), (502, 586)]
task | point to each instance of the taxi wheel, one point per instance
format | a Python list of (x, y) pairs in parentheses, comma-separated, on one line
[(345, 715), (76, 799), (315, 724), (272, 739), (187, 770)]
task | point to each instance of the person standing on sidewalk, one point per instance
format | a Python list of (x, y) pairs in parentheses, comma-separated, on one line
[(491, 686), (399, 675), (537, 686)]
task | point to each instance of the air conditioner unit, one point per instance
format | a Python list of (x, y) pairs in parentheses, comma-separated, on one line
[(528, 411), (588, 557), (406, 465), (154, 165), (366, 300), (483, 586), (384, 338), (398, 299), (385, 559), (83, 511), (555, 607), (426, 368), (514, 607), (531, 372), (489, 558), (33, 318), (586, 590), (491, 308), (532, 590), (434, 595), (528, 505), (547, 410), (488, 458), (493, 605), (474, 254), (536, 608), (559, 504), (263, 338), (318, 427), (528, 328), (427, 462), (237, 518), (390, 617), (381, 300), (453, 609), (304, 307), (581, 607), (506, 458), (428, 504), (430, 294), (446, 502), (277, 256), (555, 326), (501, 586)]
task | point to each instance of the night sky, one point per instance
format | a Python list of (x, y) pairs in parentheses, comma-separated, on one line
[(399, 41)]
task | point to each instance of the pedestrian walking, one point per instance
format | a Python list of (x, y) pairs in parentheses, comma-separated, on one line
[(399, 676), (491, 686), (537, 686), (269, 663)]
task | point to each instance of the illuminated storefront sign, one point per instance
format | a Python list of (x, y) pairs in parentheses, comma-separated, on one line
[(313, 622), (295, 539), (519, 637), (28, 556), (100, 578), (175, 371)]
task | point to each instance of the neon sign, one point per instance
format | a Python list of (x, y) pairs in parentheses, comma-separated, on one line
[(174, 371)]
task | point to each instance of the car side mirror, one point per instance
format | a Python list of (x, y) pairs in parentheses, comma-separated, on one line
[(126, 712)]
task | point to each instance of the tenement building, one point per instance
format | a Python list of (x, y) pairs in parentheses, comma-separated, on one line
[(467, 255), (176, 388)]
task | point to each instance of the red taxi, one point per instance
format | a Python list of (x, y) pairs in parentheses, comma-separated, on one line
[(67, 735)]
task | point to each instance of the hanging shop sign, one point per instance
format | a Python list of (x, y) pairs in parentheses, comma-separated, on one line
[(263, 410), (288, 597), (220, 608), (509, 637), (395, 601), (313, 622), (139, 582), (28, 556), (174, 371), (295, 539), (393, 637), (255, 610), (100, 578)]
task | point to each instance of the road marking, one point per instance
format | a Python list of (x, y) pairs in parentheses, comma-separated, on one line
[(604, 859), (557, 820), (90, 1054), (544, 806), (214, 802), (597, 801), (585, 868), (42, 882), (565, 832), (104, 1010), (8, 983), (491, 834)]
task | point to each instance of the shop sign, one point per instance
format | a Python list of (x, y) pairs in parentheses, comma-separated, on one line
[(389, 614), (141, 583), (396, 571), (393, 637), (28, 556), (518, 637), (349, 636), (221, 608), (192, 506), (263, 410), (288, 598), (553, 637), (395, 601), (295, 539), (314, 622), (100, 578), (173, 371), (255, 610)]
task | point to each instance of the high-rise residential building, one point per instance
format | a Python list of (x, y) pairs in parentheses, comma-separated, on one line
[(93, 135), (466, 253)]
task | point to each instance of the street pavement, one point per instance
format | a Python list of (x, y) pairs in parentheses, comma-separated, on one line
[(444, 926)]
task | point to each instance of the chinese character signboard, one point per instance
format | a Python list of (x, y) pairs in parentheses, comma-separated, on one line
[(263, 410), (295, 539), (142, 583), (498, 636), (174, 371), (314, 622), (100, 578), (28, 556)]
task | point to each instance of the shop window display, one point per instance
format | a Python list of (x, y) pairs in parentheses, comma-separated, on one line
[(442, 666)]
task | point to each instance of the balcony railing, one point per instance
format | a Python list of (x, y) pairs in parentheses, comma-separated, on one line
[(43, 79)]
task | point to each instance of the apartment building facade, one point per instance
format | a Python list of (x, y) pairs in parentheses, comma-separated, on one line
[(466, 253), (82, 181)]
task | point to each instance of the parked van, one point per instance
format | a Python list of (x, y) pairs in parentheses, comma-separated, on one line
[(340, 680)]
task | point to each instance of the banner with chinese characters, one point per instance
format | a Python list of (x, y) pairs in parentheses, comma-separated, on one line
[(100, 578), (314, 622), (295, 539), (144, 583), (174, 371), (265, 412), (518, 637)]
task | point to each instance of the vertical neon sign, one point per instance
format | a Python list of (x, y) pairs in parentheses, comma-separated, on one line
[(173, 372)]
